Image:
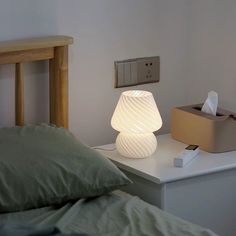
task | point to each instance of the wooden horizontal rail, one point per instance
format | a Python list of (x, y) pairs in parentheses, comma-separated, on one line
[(35, 43), (26, 56)]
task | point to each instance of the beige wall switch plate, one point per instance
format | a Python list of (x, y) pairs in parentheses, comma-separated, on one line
[(137, 71)]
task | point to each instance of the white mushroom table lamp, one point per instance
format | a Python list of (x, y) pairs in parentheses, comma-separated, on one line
[(136, 117)]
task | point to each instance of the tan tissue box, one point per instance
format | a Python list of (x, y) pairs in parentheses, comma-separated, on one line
[(212, 133)]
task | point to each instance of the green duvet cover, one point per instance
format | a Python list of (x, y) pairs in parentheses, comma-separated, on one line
[(111, 215)]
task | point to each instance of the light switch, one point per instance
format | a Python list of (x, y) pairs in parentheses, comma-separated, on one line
[(120, 74), (127, 74), (134, 73), (137, 71)]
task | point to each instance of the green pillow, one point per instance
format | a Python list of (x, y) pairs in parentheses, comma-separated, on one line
[(43, 165)]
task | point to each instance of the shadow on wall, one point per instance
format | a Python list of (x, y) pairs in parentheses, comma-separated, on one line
[(26, 19)]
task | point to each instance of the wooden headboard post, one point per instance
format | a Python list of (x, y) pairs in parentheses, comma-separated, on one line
[(54, 49), (19, 94), (58, 67)]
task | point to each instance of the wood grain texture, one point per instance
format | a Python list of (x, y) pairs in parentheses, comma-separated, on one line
[(35, 43), (19, 94), (59, 87), (26, 55), (52, 98), (54, 49)]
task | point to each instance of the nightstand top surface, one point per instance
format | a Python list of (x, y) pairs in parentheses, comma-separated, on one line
[(159, 167)]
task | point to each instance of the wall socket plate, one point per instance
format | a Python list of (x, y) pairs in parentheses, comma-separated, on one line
[(137, 71)]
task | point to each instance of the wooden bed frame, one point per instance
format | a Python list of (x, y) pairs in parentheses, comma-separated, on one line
[(54, 49)]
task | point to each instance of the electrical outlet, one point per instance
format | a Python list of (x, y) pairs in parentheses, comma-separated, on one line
[(148, 70), (137, 71)]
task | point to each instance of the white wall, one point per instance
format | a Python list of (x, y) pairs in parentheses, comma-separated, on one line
[(22, 19), (211, 54), (104, 31)]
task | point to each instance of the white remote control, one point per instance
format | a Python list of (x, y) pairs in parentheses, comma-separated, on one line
[(186, 156)]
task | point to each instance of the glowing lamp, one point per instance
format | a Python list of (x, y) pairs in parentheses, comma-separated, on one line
[(136, 117)]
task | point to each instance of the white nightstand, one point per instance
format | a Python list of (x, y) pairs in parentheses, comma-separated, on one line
[(204, 192)]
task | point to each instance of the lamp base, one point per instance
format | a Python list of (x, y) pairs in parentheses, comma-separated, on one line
[(136, 145)]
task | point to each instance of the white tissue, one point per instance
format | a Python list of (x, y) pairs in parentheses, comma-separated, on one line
[(211, 103)]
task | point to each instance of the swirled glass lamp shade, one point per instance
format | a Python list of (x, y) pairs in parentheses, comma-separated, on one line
[(136, 117)]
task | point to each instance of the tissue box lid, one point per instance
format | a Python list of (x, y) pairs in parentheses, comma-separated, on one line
[(195, 109)]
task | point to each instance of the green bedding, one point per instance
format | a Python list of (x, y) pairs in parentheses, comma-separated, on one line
[(107, 215), (41, 165), (27, 230)]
